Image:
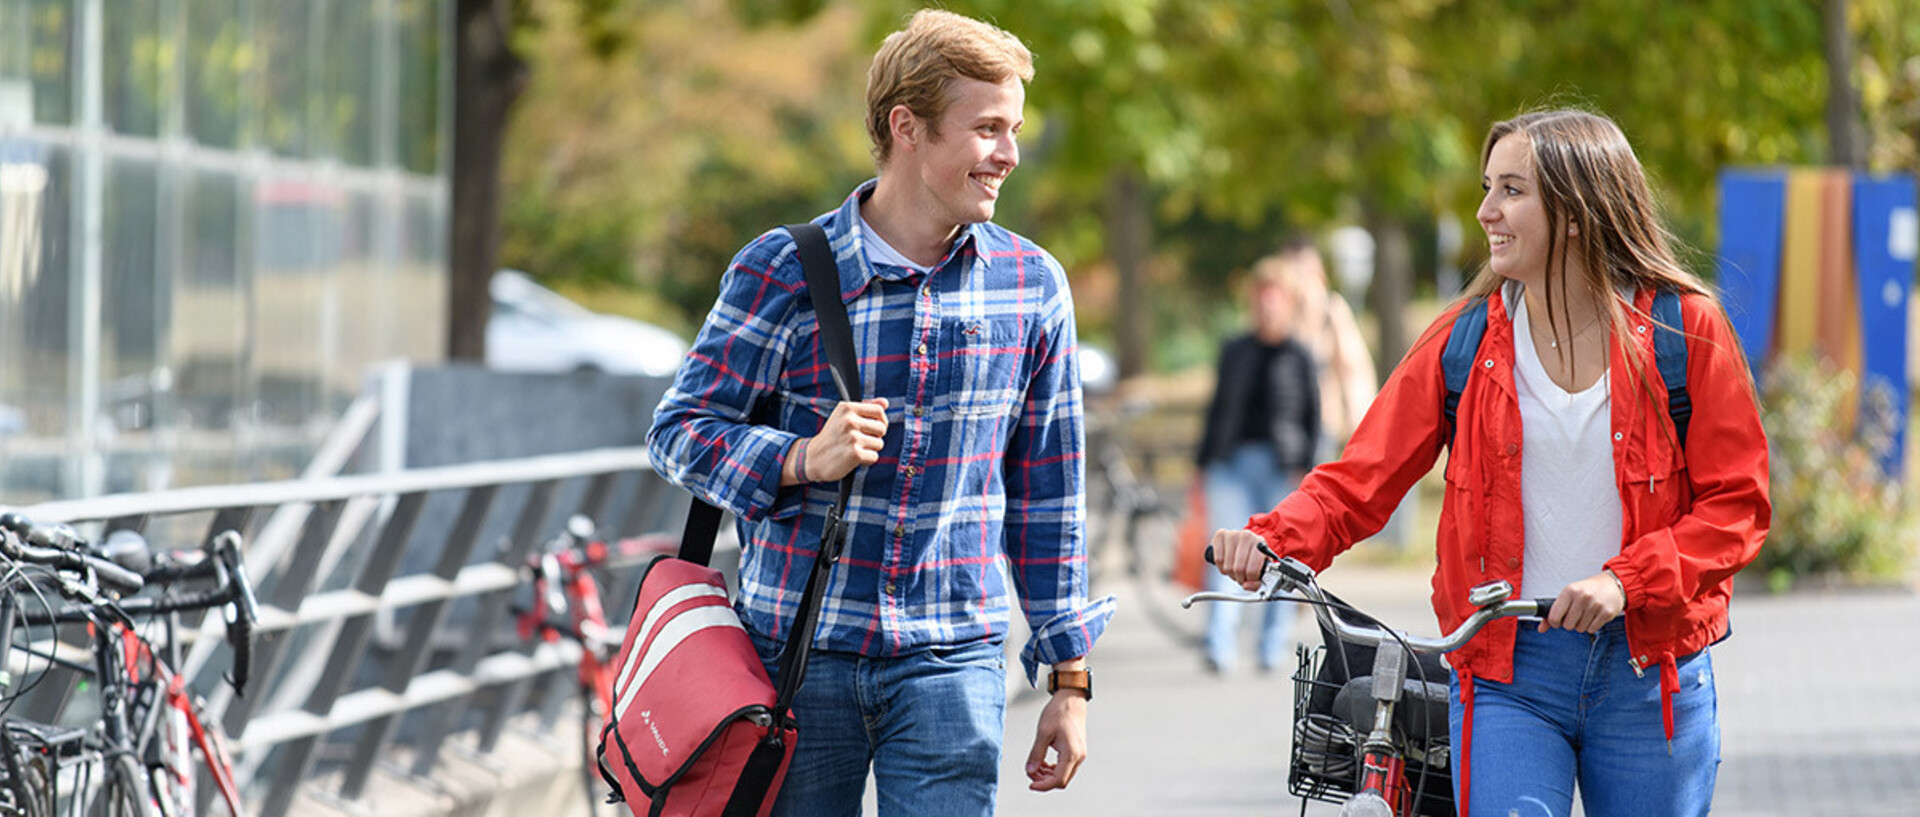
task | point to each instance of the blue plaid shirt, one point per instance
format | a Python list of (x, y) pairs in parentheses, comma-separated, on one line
[(982, 472)]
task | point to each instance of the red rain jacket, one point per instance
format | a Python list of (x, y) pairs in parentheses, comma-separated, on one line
[(1692, 518)]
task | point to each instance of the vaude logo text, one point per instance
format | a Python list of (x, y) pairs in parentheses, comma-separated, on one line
[(646, 716)]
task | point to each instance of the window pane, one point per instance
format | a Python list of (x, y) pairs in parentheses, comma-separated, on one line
[(136, 58), (347, 110), (418, 22), (35, 197), (133, 386), (36, 62), (286, 87), (216, 63), (297, 244), (209, 323)]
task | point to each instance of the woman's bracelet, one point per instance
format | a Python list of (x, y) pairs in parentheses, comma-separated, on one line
[(1617, 583)]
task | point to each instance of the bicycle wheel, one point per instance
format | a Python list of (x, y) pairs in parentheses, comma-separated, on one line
[(125, 793), (591, 718), (32, 789)]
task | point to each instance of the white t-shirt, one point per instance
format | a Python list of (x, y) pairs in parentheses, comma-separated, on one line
[(880, 252), (1567, 487)]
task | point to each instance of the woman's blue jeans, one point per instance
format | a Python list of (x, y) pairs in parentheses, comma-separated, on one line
[(928, 724), (1576, 713), (1247, 482)]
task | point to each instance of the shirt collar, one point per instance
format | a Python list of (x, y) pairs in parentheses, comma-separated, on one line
[(843, 232)]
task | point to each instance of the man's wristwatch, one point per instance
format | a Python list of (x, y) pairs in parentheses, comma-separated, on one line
[(1080, 679)]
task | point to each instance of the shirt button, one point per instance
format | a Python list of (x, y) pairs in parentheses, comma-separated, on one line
[(1512, 449), (1513, 561), (919, 411), (899, 530), (910, 470), (1642, 329), (1616, 436), (892, 590), (1489, 363), (923, 348)]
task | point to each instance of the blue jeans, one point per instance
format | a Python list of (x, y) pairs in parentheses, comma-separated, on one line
[(928, 724), (1247, 482), (1576, 712)]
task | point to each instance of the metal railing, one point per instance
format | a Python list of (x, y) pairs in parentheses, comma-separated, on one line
[(369, 616)]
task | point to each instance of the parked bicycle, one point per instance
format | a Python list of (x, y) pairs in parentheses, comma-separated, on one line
[(136, 756), (1376, 743), (563, 602)]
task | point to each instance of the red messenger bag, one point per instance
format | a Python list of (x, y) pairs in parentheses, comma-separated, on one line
[(697, 729)]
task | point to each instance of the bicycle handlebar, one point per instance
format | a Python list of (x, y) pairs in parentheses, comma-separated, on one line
[(59, 547), (112, 576), (1286, 575)]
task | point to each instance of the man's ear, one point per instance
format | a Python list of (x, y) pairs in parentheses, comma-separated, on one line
[(908, 130)]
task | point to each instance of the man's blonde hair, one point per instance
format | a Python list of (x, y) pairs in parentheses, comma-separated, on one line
[(916, 64)]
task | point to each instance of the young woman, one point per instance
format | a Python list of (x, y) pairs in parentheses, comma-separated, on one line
[(1567, 478)]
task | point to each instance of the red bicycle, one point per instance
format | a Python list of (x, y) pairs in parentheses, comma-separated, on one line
[(565, 605)]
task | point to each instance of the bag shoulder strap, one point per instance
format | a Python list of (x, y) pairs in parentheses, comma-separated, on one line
[(1456, 360), (823, 287), (1670, 357), (1669, 354), (836, 334)]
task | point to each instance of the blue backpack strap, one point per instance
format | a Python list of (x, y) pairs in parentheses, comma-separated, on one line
[(1456, 361), (1670, 356)]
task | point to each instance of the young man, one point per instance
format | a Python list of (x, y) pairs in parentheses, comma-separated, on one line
[(965, 337)]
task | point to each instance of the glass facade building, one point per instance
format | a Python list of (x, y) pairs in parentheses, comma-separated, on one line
[(215, 216)]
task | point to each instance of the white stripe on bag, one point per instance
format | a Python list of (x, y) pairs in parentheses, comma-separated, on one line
[(667, 602), (681, 628)]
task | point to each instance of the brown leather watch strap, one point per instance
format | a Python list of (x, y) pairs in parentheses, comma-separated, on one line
[(1080, 679)]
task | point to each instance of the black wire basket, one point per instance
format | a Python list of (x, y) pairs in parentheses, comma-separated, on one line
[(1326, 760)]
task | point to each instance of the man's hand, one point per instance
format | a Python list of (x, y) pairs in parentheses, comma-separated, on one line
[(1587, 605), (1237, 554), (851, 438), (1063, 729)]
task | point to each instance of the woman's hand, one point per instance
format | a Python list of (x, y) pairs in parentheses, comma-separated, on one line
[(1237, 554), (1587, 605)]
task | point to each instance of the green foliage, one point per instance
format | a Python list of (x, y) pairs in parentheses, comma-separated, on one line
[(1834, 512), (715, 121)]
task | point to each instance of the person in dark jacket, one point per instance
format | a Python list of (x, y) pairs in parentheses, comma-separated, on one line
[(1261, 434)]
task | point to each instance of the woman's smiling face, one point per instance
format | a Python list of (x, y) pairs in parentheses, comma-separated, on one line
[(1512, 213)]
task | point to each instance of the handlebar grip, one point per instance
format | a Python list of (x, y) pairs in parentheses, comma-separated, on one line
[(246, 610), (1543, 605), (1209, 554), (117, 578)]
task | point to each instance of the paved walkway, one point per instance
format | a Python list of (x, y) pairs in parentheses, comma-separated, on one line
[(1819, 705)]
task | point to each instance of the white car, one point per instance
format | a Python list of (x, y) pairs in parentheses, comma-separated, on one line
[(534, 329)]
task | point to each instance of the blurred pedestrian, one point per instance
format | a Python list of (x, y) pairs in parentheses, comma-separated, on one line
[(1570, 476), (1348, 380), (1262, 432), (965, 337)]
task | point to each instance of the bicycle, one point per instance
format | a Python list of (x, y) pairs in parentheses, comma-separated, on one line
[(1124, 505), (1403, 720), (140, 746), (565, 603)]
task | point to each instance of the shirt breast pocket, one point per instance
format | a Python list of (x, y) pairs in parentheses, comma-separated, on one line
[(984, 366)]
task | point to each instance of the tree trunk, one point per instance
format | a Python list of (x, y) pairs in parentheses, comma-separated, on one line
[(1392, 286), (1129, 239), (1848, 141), (487, 78)]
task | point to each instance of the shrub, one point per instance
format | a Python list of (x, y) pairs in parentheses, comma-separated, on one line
[(1835, 512)]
